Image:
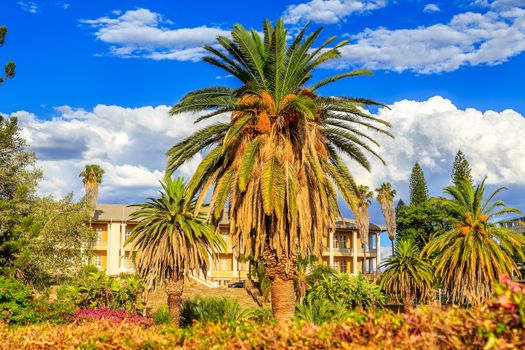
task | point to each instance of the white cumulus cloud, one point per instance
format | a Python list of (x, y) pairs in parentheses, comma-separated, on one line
[(28, 6), (432, 131), (329, 11), (467, 39), (129, 143), (429, 8), (144, 33)]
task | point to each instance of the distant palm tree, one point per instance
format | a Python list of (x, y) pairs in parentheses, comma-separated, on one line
[(385, 197), (471, 256), (276, 160), (172, 240), (92, 178), (362, 217), (407, 274)]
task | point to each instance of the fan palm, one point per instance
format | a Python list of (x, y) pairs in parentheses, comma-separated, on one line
[(362, 217), (385, 197), (471, 256), (407, 274), (276, 161), (172, 240), (92, 178)]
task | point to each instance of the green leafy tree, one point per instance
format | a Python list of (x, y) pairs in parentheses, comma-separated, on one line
[(18, 179), (418, 185), (385, 197), (57, 240), (92, 178), (461, 169), (472, 255), (10, 67), (172, 239), (407, 274), (277, 161)]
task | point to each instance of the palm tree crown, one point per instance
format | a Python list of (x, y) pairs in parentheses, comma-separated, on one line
[(275, 159), (170, 238), (92, 177), (385, 197), (472, 255), (407, 274)]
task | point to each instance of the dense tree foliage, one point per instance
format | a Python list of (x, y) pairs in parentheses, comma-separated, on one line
[(461, 169), (418, 185)]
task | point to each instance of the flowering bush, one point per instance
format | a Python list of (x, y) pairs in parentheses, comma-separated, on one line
[(510, 301), (112, 316)]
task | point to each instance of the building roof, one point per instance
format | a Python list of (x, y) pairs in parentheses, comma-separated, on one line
[(122, 212)]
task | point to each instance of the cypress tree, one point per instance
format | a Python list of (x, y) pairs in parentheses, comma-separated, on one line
[(461, 169), (418, 186), (9, 68)]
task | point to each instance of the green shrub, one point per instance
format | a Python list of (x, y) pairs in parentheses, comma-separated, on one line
[(18, 306), (162, 316), (207, 310), (320, 311), (354, 292), (94, 289)]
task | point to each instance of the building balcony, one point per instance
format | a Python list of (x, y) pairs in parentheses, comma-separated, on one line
[(100, 245)]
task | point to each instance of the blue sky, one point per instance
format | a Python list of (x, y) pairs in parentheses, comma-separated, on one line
[(95, 79)]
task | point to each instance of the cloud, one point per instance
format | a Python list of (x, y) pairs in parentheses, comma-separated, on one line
[(432, 131), (129, 143), (430, 8), (143, 33), (329, 11), (28, 6), (468, 39)]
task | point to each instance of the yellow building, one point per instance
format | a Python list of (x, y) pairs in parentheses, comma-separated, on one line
[(112, 224)]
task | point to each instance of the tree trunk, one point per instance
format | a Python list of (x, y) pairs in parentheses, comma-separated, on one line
[(408, 303), (174, 289), (283, 299), (364, 259), (392, 241), (281, 272)]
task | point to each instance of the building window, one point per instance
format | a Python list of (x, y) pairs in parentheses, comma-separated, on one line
[(98, 261), (342, 238), (98, 230), (336, 265), (343, 268), (336, 241), (127, 233), (225, 264)]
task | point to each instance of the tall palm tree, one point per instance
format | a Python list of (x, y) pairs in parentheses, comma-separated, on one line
[(471, 256), (407, 274), (276, 161), (362, 217), (172, 240), (92, 178), (385, 197)]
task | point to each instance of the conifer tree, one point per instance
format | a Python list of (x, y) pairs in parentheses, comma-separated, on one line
[(461, 169), (418, 186), (9, 68)]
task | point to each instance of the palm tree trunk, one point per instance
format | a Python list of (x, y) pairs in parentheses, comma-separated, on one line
[(281, 272), (408, 303), (174, 289), (364, 259), (392, 241)]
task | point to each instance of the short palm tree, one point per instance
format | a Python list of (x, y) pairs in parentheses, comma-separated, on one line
[(385, 197), (362, 217), (172, 240), (278, 158), (92, 178), (470, 257), (407, 274)]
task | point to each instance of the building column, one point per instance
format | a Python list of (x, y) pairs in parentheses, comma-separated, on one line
[(378, 251), (331, 248), (234, 263), (122, 247), (354, 252)]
